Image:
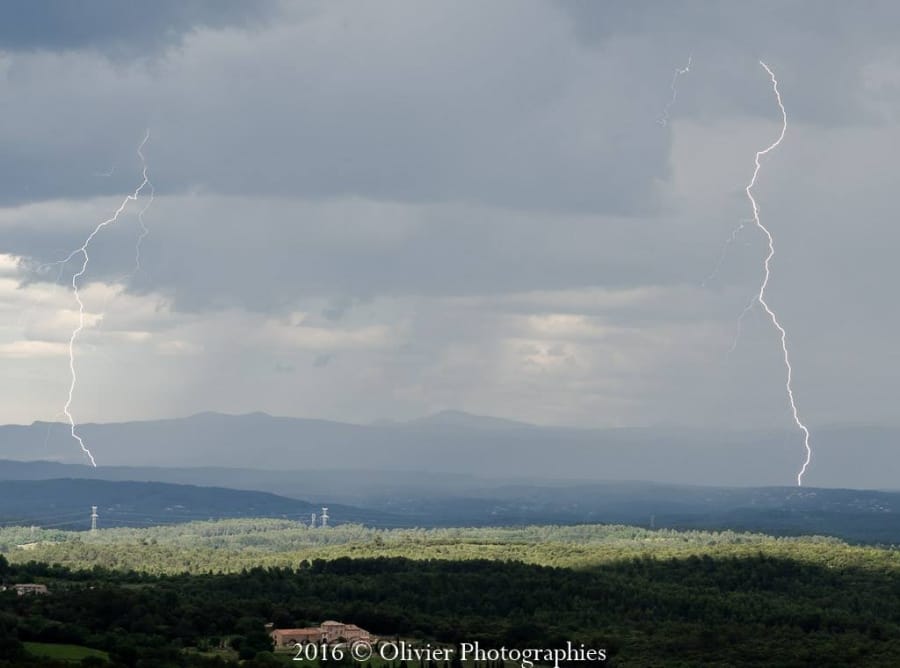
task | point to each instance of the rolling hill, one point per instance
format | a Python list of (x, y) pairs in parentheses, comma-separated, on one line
[(66, 503)]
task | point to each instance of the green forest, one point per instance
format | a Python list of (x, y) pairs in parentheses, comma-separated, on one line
[(200, 594), (233, 545)]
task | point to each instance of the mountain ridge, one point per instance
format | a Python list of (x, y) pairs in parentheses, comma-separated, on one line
[(453, 442)]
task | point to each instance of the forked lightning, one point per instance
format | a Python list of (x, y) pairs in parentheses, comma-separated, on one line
[(83, 252)]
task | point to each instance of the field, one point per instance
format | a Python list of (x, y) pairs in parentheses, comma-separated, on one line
[(60, 652)]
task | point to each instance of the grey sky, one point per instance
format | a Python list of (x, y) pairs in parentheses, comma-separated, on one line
[(380, 210)]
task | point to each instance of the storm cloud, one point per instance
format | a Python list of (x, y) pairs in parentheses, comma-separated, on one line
[(378, 210)]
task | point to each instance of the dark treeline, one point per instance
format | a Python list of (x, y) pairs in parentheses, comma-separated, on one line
[(758, 610)]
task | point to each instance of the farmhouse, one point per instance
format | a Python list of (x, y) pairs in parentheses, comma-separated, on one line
[(28, 588), (327, 632)]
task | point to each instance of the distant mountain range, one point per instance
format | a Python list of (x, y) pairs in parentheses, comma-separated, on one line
[(458, 443)]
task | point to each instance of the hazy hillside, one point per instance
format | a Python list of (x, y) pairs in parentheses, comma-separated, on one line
[(66, 503), (432, 500), (457, 443)]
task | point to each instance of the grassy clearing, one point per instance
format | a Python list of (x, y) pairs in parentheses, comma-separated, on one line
[(73, 653)]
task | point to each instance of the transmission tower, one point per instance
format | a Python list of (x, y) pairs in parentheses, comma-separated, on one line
[(93, 519), (324, 517)]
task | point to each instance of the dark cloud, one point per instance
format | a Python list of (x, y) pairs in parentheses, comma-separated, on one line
[(395, 102), (534, 106), (127, 28)]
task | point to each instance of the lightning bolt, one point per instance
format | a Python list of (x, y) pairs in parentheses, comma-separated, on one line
[(144, 231), (730, 240), (761, 295), (740, 323), (664, 120), (83, 252)]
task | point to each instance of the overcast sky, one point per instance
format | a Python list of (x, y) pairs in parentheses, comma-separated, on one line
[(378, 210)]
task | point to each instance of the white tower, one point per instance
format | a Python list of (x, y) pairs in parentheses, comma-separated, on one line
[(312, 521), (93, 519), (324, 517)]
